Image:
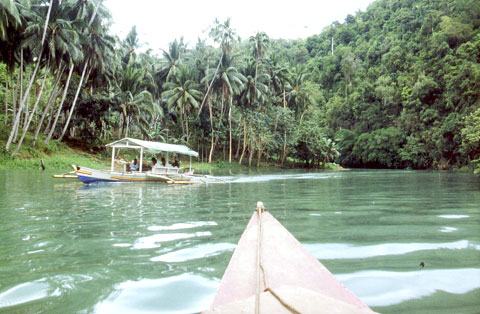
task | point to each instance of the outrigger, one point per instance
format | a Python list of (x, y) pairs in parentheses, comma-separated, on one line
[(166, 173)]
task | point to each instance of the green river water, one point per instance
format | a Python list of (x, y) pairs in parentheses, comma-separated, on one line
[(66, 247)]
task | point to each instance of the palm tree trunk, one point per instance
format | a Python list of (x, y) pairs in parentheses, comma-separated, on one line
[(14, 93), (230, 130), (47, 19), (50, 117), (244, 140), (284, 155), (186, 127), (95, 12), (212, 142), (52, 129), (124, 123), (51, 100), (259, 153), (17, 118), (181, 122), (250, 153), (25, 129), (32, 78), (27, 103), (20, 97), (6, 98), (74, 100)]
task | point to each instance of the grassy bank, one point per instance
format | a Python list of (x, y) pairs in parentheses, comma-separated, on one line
[(56, 155), (59, 156)]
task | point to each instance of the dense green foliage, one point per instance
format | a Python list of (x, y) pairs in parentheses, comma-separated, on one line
[(397, 86), (402, 80)]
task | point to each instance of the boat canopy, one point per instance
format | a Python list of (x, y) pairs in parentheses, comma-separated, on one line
[(153, 147)]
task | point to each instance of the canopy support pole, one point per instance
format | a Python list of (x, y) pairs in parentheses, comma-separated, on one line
[(190, 163), (141, 158), (113, 158)]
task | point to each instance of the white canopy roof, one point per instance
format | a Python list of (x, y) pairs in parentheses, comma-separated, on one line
[(153, 147)]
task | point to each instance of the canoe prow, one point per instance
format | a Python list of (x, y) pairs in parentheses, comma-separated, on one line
[(271, 272)]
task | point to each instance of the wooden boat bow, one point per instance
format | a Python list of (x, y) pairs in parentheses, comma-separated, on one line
[(271, 272)]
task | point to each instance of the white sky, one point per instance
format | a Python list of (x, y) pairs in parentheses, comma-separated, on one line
[(159, 22)]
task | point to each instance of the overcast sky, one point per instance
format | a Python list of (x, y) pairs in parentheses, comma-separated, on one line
[(160, 22)]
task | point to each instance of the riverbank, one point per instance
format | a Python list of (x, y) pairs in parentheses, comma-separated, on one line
[(60, 156)]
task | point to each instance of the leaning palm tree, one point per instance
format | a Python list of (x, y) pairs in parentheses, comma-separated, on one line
[(96, 44), (254, 94), (228, 82), (182, 96), (279, 86), (65, 48), (226, 36), (37, 50)]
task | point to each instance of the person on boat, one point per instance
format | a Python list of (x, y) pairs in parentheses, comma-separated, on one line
[(176, 163), (134, 165), (164, 162), (155, 163)]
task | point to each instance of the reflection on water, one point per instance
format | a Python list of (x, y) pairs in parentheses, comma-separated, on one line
[(161, 296), (382, 288), (149, 247)]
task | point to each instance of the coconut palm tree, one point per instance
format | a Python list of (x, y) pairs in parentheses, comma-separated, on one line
[(10, 18), (256, 89), (65, 48), (260, 44), (226, 36), (14, 16), (182, 95), (300, 96), (96, 44), (227, 82), (172, 60), (37, 51), (135, 101)]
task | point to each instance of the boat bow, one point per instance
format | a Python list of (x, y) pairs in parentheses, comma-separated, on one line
[(271, 272)]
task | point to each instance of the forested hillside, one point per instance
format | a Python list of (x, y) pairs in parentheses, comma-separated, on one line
[(397, 86), (402, 86)]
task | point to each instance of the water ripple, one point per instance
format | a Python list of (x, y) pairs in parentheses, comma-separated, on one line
[(330, 251), (154, 240), (201, 251)]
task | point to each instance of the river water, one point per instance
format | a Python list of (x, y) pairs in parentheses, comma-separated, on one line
[(153, 248)]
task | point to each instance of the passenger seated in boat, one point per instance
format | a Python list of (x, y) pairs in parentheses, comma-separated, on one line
[(176, 163), (164, 162), (134, 165), (154, 163)]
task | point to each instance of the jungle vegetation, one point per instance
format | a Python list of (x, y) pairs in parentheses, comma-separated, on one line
[(396, 86)]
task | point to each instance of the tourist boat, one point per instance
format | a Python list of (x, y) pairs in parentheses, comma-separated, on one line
[(167, 174), (271, 272)]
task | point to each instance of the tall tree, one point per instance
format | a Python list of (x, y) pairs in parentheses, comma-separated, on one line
[(182, 96), (228, 82)]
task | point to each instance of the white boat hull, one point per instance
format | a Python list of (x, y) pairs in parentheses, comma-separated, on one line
[(88, 175)]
